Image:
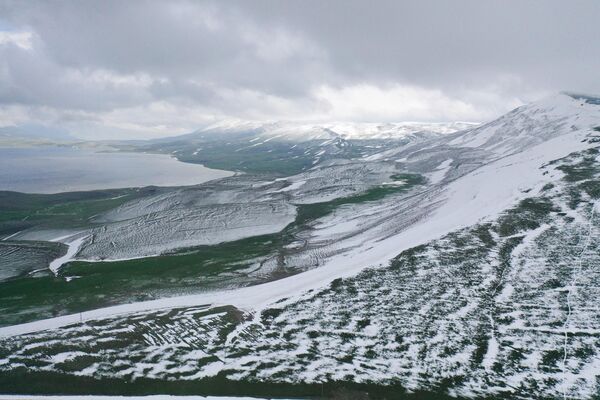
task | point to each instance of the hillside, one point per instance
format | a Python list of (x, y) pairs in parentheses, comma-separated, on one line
[(459, 264)]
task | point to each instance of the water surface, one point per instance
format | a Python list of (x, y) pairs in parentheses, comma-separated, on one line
[(68, 169)]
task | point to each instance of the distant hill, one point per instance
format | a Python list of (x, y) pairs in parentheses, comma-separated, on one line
[(285, 148), (32, 134)]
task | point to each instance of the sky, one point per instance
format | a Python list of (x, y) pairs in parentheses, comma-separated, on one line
[(146, 69)]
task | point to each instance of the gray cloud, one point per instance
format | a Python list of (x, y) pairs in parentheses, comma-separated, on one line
[(149, 68), (434, 42)]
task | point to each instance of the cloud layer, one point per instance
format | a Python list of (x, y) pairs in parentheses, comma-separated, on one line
[(116, 69)]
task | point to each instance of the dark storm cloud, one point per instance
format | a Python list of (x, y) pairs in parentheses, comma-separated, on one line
[(138, 66)]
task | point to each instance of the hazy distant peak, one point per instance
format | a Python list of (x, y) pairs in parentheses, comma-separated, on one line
[(34, 131), (347, 130)]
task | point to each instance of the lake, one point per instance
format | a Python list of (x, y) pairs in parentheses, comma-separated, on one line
[(68, 169)]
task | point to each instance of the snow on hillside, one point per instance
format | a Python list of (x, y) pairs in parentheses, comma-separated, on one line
[(479, 312), (401, 223), (479, 282), (347, 130), (531, 124)]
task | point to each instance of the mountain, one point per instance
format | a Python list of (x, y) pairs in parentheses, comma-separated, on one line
[(460, 264), (306, 131), (32, 134), (284, 148)]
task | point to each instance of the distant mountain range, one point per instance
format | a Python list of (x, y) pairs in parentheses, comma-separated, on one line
[(285, 148), (32, 134), (347, 130)]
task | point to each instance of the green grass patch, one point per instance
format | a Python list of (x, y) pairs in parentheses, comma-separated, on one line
[(587, 168), (22, 381), (108, 283), (591, 187), (409, 179), (528, 214), (238, 153), (62, 210), (310, 212)]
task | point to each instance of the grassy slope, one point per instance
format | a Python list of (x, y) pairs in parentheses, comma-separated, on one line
[(20, 211), (277, 157), (190, 270)]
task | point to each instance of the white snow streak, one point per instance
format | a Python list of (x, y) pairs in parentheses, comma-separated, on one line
[(570, 289), (73, 249)]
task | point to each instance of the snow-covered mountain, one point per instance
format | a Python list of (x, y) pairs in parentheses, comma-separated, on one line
[(460, 264), (284, 148), (347, 130), (530, 125)]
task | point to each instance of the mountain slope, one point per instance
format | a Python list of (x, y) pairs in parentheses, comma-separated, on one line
[(285, 148), (477, 279)]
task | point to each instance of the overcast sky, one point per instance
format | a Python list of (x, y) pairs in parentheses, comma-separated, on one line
[(133, 69)]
